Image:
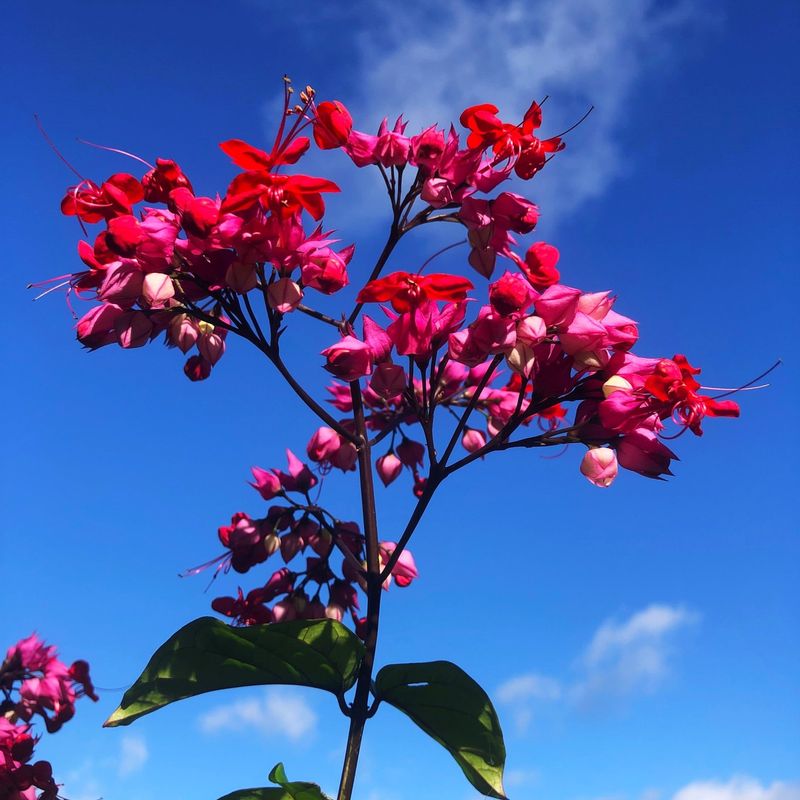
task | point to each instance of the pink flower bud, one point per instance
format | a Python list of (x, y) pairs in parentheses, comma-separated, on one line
[(326, 270), (323, 444), (240, 277), (284, 611), (531, 330), (404, 571), (389, 466), (599, 466), (266, 483), (473, 440), (133, 329), (345, 457), (332, 611), (182, 333), (521, 359), (348, 359), (211, 346), (515, 212), (157, 289), (411, 453), (437, 192), (98, 326), (284, 295), (388, 380)]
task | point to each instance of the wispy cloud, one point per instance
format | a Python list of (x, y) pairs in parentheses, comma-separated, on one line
[(433, 60), (629, 657), (278, 713), (739, 788), (624, 658), (133, 755), (522, 692)]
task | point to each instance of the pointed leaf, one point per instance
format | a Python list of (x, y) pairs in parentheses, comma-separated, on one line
[(452, 708), (272, 793), (296, 790), (207, 654)]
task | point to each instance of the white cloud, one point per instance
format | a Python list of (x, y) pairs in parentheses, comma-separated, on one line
[(528, 687), (629, 657), (739, 788), (623, 658), (133, 755), (278, 712), (434, 60)]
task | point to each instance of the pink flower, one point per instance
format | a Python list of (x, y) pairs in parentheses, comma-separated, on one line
[(404, 571), (599, 466), (510, 294), (284, 295), (514, 212), (641, 451), (348, 359), (389, 466), (97, 327), (299, 478), (323, 444), (266, 483), (473, 440)]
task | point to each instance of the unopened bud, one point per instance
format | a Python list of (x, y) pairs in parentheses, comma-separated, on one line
[(271, 544), (616, 383)]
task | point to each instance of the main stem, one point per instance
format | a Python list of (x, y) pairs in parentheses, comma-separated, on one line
[(359, 711)]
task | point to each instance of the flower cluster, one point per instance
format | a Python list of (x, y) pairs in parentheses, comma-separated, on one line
[(299, 529), (34, 682), (171, 266), (490, 359)]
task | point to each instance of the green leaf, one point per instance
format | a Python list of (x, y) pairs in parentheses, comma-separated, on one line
[(207, 654), (449, 706), (273, 793), (296, 790)]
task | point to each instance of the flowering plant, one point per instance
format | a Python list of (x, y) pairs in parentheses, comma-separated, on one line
[(426, 382), (34, 682)]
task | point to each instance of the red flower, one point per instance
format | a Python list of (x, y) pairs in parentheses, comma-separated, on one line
[(332, 125), (405, 290), (91, 203)]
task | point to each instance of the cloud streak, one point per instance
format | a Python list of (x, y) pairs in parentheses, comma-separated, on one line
[(277, 713), (739, 788), (582, 52), (133, 755), (623, 659)]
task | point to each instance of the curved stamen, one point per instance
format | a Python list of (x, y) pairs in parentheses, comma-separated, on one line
[(116, 150)]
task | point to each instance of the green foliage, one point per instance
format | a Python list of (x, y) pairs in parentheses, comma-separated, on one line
[(207, 654), (453, 709), (286, 790)]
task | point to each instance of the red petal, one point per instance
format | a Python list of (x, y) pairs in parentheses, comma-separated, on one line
[(245, 155)]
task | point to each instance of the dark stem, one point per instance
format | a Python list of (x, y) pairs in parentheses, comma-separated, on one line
[(359, 711)]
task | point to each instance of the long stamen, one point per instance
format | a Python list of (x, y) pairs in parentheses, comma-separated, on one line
[(745, 386), (53, 147), (438, 253), (116, 150), (572, 127)]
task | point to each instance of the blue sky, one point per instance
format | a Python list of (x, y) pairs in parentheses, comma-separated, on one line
[(642, 642)]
